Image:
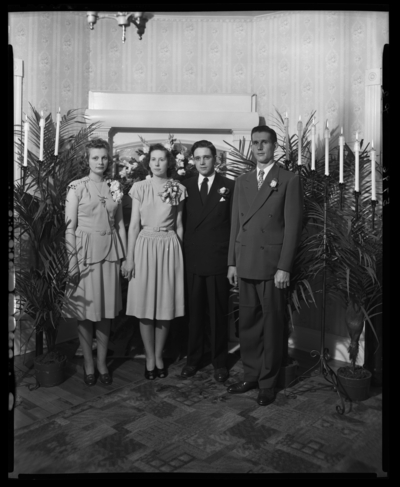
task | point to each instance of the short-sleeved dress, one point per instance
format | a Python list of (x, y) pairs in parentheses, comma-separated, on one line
[(99, 250), (156, 291)]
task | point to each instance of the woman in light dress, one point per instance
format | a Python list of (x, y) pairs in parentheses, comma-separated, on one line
[(96, 240), (154, 263)]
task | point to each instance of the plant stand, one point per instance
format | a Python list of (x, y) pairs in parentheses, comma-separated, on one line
[(326, 371)]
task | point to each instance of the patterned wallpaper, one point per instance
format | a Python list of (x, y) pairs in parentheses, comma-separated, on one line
[(294, 61)]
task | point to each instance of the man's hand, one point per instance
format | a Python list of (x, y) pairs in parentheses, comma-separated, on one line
[(282, 279), (232, 275)]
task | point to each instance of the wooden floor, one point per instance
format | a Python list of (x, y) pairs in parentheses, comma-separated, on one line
[(33, 405)]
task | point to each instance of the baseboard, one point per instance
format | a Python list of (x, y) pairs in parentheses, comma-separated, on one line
[(306, 339)]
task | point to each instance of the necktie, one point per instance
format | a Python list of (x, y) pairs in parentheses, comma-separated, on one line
[(204, 190), (260, 178)]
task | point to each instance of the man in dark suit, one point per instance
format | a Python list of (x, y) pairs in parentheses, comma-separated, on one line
[(207, 221), (266, 227)]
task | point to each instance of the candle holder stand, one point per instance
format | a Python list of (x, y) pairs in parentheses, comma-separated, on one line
[(373, 204), (341, 189), (357, 197), (324, 369)]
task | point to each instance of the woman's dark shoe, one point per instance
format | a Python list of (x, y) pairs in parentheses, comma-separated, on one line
[(161, 373), (150, 374), (105, 378), (90, 380)]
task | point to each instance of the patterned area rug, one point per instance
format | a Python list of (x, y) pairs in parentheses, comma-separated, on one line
[(194, 425)]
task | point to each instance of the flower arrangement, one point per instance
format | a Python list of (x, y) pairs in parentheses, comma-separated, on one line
[(115, 189), (171, 193)]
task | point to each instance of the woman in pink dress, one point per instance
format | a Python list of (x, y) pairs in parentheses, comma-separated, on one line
[(96, 241), (154, 263)]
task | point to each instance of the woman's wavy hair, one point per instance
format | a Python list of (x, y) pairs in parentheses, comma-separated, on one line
[(95, 144), (170, 159)]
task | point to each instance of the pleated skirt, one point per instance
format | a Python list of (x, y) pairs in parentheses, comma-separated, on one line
[(98, 294), (156, 291)]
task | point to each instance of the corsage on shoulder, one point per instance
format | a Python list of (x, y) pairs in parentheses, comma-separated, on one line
[(171, 193), (224, 192), (115, 190)]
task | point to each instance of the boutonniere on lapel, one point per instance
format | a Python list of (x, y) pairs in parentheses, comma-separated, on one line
[(224, 192), (171, 193), (115, 190), (274, 184)]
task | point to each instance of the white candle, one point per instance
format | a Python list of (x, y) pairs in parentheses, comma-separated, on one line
[(287, 135), (327, 135), (373, 181), (313, 145), (41, 124), (26, 130), (357, 164), (57, 132), (341, 150), (300, 131)]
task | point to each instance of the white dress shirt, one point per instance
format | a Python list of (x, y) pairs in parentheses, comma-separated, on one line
[(209, 182), (266, 171)]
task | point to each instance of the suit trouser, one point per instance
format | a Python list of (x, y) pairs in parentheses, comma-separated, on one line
[(215, 290), (261, 326)]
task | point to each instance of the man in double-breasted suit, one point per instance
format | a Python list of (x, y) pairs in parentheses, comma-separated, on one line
[(207, 221), (266, 228)]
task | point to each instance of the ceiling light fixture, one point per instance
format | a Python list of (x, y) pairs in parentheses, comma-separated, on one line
[(139, 19)]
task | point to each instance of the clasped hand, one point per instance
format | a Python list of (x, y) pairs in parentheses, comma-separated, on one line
[(281, 278), (128, 270)]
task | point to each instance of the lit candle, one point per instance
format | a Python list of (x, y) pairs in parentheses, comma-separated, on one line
[(26, 130), (341, 150), (287, 136), (327, 135), (357, 165), (300, 131), (313, 145), (373, 182), (41, 124), (57, 132)]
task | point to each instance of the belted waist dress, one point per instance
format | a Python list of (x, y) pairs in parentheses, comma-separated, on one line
[(99, 250), (156, 291)]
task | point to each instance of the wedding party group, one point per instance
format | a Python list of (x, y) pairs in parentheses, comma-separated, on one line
[(187, 244)]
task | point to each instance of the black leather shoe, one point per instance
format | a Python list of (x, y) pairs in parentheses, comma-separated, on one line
[(161, 373), (89, 380), (266, 396), (105, 378), (241, 387), (149, 374), (189, 371), (221, 375)]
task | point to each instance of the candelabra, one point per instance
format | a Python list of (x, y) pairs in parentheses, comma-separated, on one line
[(139, 19)]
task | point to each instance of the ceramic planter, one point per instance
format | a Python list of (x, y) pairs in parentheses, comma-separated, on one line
[(49, 374), (356, 389)]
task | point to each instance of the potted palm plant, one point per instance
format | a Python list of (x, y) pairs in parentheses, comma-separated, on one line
[(42, 262), (352, 250)]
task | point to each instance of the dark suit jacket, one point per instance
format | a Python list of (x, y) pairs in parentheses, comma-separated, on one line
[(266, 224), (207, 228)]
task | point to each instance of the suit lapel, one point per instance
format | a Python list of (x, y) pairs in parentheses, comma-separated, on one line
[(212, 199), (263, 194)]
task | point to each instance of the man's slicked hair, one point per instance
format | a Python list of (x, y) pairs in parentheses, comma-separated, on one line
[(204, 144), (265, 128)]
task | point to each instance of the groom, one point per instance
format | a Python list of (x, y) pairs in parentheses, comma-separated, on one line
[(266, 228), (207, 221)]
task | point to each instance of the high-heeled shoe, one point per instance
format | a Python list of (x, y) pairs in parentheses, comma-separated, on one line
[(161, 373), (149, 374), (105, 378), (89, 379)]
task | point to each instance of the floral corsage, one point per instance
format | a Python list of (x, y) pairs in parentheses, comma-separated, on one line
[(171, 193), (274, 184), (115, 190), (224, 192)]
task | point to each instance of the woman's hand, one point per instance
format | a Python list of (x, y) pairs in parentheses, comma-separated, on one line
[(128, 270)]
